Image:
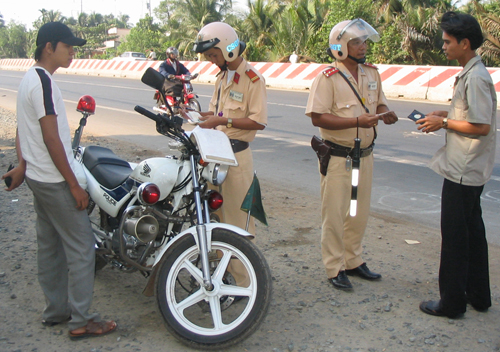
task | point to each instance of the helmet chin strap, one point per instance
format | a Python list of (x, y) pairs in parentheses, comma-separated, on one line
[(359, 61), (223, 67)]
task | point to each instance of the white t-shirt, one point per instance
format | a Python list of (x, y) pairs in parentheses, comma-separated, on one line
[(39, 96)]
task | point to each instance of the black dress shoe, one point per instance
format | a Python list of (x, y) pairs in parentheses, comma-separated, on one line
[(363, 272), (341, 281), (434, 308)]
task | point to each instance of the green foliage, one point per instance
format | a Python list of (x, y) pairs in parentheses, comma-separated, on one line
[(13, 40), (144, 36), (273, 29)]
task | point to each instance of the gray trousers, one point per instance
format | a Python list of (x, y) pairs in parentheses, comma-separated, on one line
[(66, 254)]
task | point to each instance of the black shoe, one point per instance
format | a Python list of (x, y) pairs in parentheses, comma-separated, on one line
[(363, 272), (54, 323), (341, 281), (434, 308)]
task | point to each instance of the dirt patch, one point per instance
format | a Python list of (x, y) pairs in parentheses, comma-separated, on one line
[(307, 313)]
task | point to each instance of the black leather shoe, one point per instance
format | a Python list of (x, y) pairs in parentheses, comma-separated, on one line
[(363, 272), (341, 281), (434, 308)]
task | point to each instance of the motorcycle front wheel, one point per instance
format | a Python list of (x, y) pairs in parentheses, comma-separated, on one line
[(226, 315), (194, 104)]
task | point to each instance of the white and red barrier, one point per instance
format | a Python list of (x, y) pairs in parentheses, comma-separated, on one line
[(433, 83)]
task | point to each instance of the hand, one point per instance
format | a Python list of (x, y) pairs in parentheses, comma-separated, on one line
[(439, 113), (17, 176), (211, 121), (81, 197), (388, 117), (367, 120), (430, 123)]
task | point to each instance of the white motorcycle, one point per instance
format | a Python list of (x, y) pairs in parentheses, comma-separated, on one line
[(155, 217)]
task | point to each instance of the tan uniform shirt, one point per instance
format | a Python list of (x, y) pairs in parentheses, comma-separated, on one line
[(469, 159), (244, 96), (332, 95)]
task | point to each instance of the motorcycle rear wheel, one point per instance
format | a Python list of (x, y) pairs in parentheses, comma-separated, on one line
[(194, 104), (203, 319)]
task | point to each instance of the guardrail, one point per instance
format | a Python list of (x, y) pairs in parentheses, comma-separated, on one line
[(434, 83)]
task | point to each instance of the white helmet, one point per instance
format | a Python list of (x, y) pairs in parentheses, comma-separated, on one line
[(172, 50), (219, 35), (345, 31)]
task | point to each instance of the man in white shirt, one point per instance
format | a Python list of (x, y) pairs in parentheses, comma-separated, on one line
[(66, 254)]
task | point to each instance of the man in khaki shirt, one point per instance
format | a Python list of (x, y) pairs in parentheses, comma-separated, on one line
[(466, 163), (342, 116), (238, 108)]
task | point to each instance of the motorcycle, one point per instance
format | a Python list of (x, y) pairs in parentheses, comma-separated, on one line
[(178, 90), (155, 218)]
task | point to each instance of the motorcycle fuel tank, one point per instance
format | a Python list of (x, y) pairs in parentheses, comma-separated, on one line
[(161, 171)]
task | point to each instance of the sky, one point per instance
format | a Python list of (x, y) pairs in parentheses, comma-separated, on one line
[(27, 11)]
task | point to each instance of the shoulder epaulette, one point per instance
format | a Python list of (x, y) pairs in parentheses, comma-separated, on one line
[(252, 75), (330, 71), (370, 65)]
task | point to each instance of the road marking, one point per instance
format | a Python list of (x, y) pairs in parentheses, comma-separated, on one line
[(375, 155)]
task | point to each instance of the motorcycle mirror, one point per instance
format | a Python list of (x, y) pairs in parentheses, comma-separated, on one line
[(153, 78)]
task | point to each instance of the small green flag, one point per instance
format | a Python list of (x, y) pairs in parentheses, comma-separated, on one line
[(252, 204)]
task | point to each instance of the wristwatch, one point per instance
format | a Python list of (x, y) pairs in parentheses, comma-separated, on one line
[(445, 123), (229, 123)]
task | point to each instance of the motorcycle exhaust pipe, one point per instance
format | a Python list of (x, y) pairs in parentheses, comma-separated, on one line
[(145, 228)]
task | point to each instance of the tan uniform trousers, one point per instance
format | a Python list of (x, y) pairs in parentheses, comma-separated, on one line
[(342, 234), (234, 190)]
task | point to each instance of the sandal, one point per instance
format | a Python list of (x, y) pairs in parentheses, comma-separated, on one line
[(93, 329)]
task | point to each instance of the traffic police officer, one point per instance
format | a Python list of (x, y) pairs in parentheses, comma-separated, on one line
[(238, 108), (346, 101)]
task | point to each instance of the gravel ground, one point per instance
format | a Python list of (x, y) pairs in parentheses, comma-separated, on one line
[(307, 313)]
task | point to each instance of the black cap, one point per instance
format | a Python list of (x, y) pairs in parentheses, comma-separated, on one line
[(59, 32)]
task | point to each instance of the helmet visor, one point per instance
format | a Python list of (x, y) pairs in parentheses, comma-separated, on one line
[(358, 29), (201, 47)]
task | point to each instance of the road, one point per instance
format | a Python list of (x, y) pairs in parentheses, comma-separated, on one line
[(403, 186)]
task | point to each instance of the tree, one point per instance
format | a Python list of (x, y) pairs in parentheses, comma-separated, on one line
[(144, 36), (489, 18), (183, 19), (13, 40)]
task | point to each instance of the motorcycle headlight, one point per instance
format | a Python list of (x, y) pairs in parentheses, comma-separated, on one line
[(215, 173)]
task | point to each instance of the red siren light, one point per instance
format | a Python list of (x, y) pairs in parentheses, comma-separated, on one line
[(86, 104)]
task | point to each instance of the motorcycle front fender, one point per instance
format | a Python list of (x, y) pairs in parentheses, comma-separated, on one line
[(191, 96), (192, 232)]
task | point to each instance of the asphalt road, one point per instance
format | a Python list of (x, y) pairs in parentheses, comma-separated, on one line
[(403, 186)]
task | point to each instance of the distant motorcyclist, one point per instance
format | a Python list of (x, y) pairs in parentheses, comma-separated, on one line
[(172, 66)]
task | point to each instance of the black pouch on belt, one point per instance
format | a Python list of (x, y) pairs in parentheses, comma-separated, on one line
[(323, 152)]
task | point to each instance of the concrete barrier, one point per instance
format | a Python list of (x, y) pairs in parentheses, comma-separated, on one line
[(434, 83)]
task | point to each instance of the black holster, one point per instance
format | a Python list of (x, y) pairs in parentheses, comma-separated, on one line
[(323, 152)]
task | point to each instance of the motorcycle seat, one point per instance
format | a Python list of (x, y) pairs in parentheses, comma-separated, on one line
[(107, 168)]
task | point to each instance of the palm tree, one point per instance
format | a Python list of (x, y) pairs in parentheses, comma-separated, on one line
[(189, 16), (490, 24)]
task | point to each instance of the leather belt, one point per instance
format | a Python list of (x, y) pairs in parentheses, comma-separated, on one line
[(238, 146), (344, 152)]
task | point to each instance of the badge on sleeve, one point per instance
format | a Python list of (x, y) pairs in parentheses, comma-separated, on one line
[(372, 85), (236, 95)]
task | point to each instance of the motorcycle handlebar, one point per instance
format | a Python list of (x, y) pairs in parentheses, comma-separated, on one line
[(155, 117)]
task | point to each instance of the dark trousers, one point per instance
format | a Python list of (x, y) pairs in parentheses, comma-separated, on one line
[(464, 272)]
